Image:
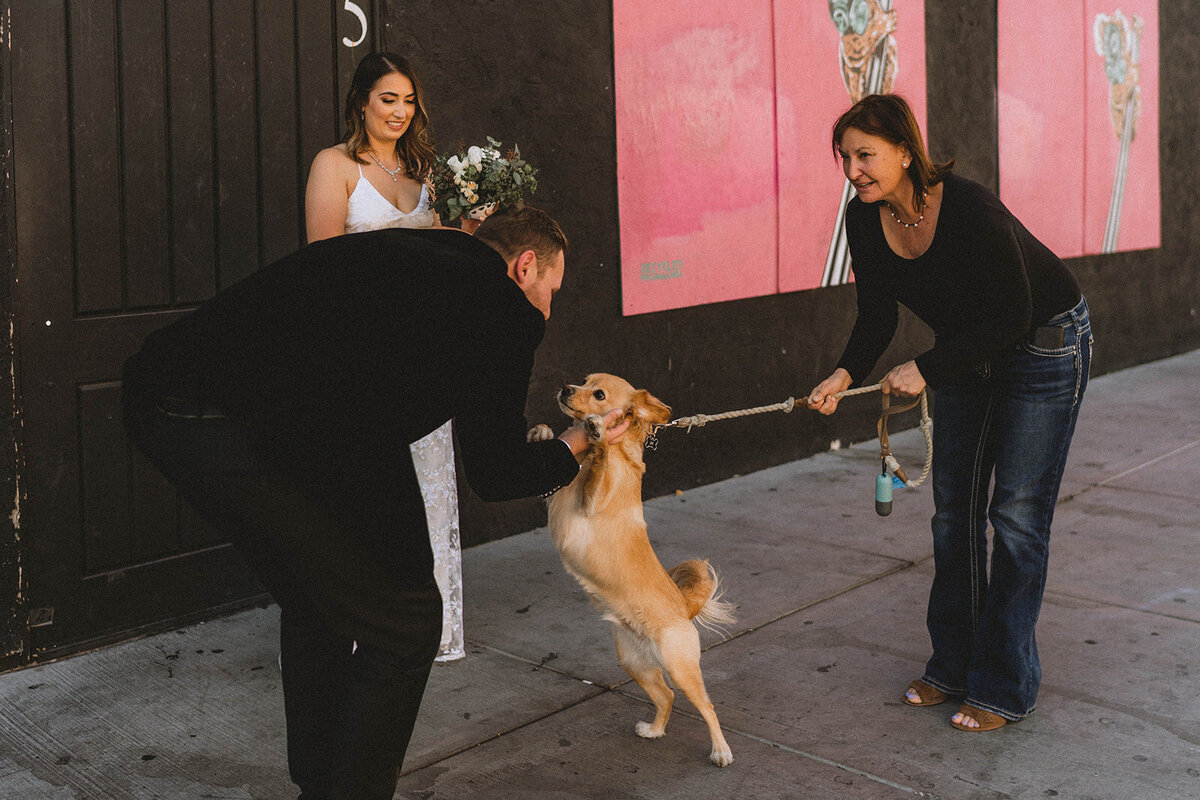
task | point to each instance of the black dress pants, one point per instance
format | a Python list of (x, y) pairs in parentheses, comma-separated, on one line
[(358, 630)]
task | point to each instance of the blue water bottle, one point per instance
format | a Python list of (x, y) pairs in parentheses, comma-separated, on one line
[(883, 494)]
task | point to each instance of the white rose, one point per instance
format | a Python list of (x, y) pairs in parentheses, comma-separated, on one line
[(456, 164), (475, 156)]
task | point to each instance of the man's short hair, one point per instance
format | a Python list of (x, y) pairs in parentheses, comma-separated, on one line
[(514, 230)]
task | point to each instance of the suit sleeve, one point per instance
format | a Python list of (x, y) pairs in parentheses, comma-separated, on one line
[(491, 428)]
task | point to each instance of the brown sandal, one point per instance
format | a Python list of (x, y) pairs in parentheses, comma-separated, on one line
[(986, 719), (926, 695)]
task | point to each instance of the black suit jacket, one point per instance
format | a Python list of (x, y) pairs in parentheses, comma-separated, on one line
[(338, 356)]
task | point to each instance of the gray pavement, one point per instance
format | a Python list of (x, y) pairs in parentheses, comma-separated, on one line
[(807, 683)]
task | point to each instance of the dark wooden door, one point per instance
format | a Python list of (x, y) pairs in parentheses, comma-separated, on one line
[(160, 150)]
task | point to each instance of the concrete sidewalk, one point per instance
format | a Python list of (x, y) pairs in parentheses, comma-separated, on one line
[(807, 684)]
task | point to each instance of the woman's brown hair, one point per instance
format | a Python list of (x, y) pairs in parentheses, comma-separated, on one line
[(890, 117), (414, 148)]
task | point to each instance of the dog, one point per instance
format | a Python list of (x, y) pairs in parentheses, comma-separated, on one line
[(599, 529)]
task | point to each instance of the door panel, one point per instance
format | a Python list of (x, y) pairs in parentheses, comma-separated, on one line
[(160, 151), (192, 212), (95, 130)]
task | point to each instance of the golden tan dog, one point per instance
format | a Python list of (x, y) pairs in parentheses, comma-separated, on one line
[(599, 529)]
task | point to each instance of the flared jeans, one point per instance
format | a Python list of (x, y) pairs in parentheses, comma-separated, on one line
[(1007, 429)]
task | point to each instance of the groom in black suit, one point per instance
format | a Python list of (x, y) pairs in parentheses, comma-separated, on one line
[(283, 409)]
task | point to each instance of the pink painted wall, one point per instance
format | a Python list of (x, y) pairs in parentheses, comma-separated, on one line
[(1141, 225), (726, 183), (1041, 112), (810, 98), (695, 151), (1058, 151)]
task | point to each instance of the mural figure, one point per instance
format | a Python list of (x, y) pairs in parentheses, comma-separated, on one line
[(867, 54), (1118, 41)]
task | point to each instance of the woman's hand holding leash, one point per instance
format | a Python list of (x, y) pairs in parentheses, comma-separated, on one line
[(905, 379), (824, 398)]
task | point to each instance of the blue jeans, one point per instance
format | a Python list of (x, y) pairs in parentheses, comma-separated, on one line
[(1013, 423)]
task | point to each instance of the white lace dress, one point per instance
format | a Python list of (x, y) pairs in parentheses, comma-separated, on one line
[(433, 456)]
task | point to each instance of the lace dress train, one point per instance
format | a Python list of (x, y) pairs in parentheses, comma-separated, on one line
[(433, 457)]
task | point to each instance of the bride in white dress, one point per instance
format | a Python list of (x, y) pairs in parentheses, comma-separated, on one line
[(364, 184)]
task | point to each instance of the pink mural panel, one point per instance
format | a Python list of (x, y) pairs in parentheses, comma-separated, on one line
[(726, 181), (695, 151), (1078, 92), (824, 64), (1041, 114), (1121, 207)]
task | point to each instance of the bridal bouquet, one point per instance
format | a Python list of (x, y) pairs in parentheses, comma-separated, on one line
[(476, 181)]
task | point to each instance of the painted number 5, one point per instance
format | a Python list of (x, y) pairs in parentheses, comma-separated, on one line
[(354, 9)]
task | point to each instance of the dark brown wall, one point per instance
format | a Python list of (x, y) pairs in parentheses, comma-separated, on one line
[(541, 74), (12, 606)]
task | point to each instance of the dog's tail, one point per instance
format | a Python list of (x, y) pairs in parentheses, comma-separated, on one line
[(701, 590)]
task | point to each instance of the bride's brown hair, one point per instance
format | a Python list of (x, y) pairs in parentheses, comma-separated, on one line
[(414, 148), (889, 116)]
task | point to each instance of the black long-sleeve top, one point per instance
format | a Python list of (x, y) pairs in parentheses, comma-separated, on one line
[(982, 285)]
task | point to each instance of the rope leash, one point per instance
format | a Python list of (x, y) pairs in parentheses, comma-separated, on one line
[(883, 488), (700, 420)]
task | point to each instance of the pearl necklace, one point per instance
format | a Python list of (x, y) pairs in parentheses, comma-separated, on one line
[(395, 173), (902, 222)]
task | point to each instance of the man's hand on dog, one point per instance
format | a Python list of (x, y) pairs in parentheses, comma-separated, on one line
[(576, 436)]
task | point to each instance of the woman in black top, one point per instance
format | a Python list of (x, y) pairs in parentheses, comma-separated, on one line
[(1009, 366)]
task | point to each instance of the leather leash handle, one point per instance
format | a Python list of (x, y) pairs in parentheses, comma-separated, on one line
[(881, 428)]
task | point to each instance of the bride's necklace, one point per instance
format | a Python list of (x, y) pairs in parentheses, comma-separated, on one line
[(902, 222), (395, 173)]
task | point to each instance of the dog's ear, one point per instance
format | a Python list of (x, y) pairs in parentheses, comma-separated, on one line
[(649, 409)]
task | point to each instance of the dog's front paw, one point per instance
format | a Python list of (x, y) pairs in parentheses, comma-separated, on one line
[(594, 425), (646, 730), (539, 433), (722, 757)]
